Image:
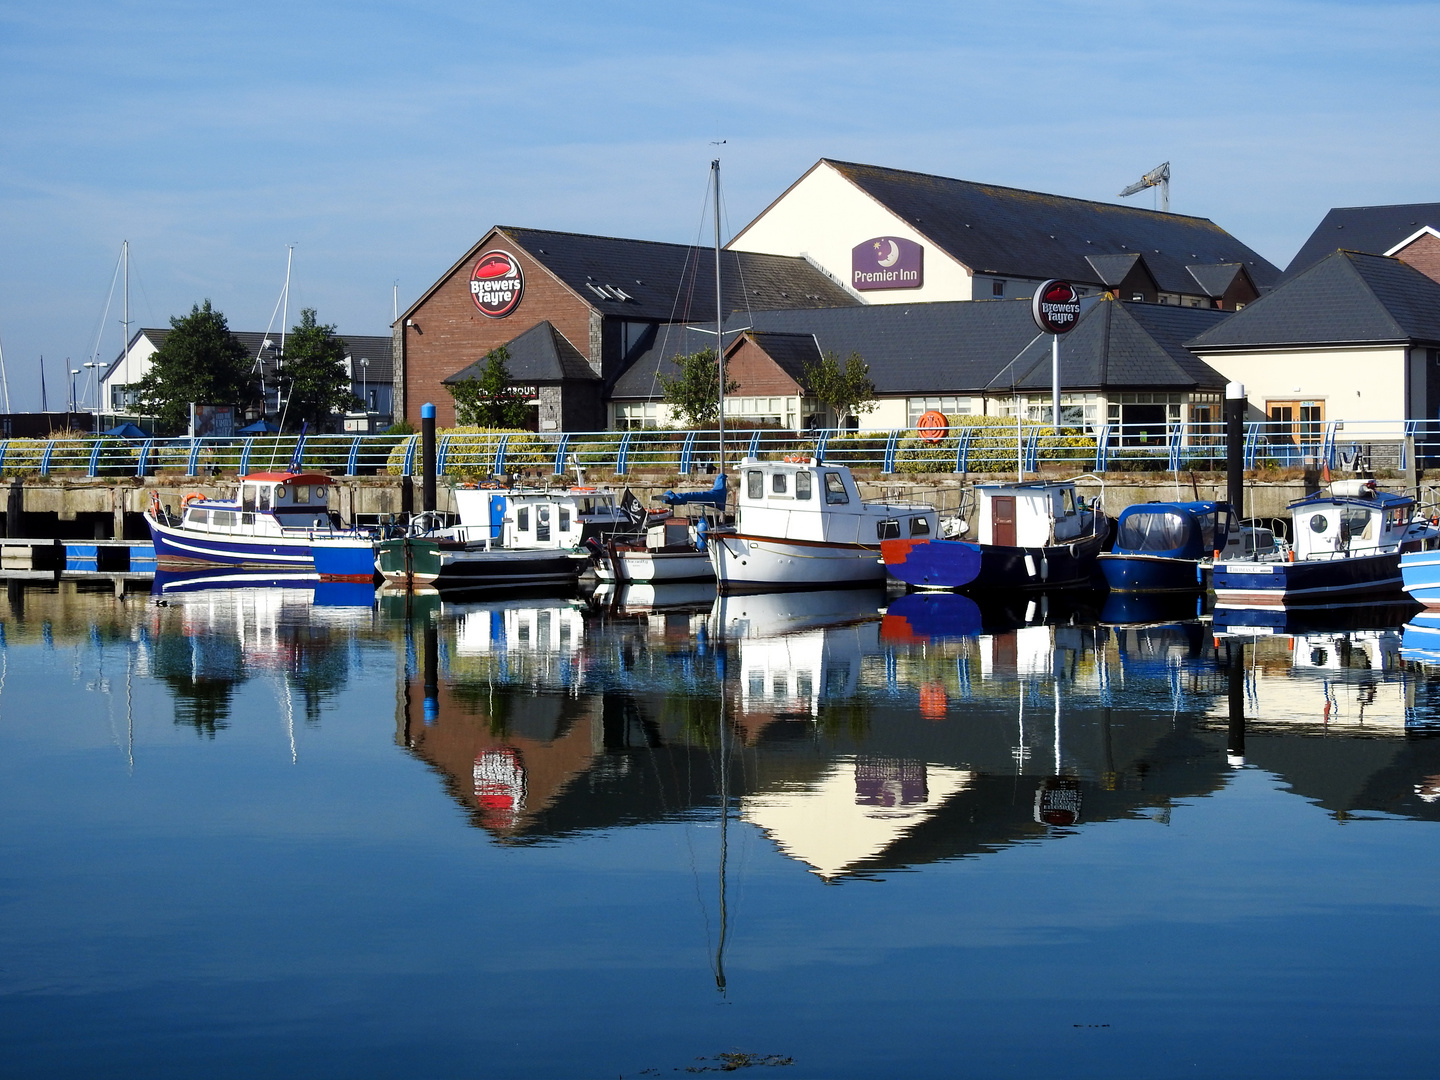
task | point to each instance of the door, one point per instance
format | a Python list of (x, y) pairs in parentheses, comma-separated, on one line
[(1002, 520), (1296, 424)]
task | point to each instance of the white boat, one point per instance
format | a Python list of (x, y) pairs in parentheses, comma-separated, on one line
[(803, 525), (669, 552)]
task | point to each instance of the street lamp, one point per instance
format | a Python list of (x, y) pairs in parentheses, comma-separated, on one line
[(92, 365), (73, 373), (365, 388)]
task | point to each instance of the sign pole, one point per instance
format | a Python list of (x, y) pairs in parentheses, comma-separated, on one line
[(1055, 381)]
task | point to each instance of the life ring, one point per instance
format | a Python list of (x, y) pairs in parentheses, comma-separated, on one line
[(932, 426), (582, 489), (796, 459), (194, 496), (154, 503)]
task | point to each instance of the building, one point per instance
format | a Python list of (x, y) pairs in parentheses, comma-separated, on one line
[(897, 237), (605, 301), (1353, 337), (1409, 232), (1125, 362)]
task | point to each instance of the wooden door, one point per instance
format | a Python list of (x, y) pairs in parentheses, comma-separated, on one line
[(1002, 520)]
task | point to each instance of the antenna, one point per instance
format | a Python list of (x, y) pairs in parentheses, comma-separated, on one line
[(1156, 177)]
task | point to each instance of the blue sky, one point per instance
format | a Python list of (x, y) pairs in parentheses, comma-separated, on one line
[(383, 139)]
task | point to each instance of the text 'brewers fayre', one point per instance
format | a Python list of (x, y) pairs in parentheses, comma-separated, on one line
[(1056, 306), (496, 283)]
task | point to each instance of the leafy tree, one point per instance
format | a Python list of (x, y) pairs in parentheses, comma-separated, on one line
[(847, 389), (313, 375), (490, 400), (199, 361), (695, 392)]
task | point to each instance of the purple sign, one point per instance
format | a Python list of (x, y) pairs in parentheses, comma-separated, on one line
[(887, 262)]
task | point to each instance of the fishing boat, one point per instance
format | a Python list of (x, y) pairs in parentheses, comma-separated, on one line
[(506, 539), (272, 523), (1420, 577), (1032, 536), (671, 549), (1166, 546), (1346, 545), (801, 524)]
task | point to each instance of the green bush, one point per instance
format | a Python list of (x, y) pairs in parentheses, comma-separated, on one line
[(470, 451)]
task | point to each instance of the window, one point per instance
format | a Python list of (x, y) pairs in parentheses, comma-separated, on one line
[(1163, 530), (264, 493), (522, 519), (997, 288), (755, 484), (371, 396), (636, 414), (778, 484), (564, 523), (947, 404), (198, 517), (223, 518), (919, 526), (802, 486), (542, 523), (302, 493), (889, 529), (835, 493), (247, 498)]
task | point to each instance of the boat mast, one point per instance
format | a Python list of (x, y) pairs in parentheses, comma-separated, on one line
[(4, 381), (719, 314), (285, 315), (125, 374)]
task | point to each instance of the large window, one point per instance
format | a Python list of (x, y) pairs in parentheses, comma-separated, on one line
[(780, 411), (636, 414), (917, 407), (1076, 410)]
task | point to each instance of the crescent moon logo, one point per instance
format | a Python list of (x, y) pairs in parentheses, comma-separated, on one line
[(892, 256)]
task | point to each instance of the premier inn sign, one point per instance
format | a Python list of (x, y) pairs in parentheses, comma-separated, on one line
[(887, 262)]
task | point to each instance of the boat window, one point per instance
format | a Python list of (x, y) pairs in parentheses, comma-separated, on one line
[(1161, 530), (279, 494), (542, 523), (919, 526), (1355, 523), (1319, 523), (302, 493), (1067, 501), (835, 492), (320, 493), (247, 498), (564, 523), (264, 504), (802, 486), (247, 519), (889, 529), (755, 484), (198, 517), (777, 483), (1207, 531), (522, 519), (223, 518)]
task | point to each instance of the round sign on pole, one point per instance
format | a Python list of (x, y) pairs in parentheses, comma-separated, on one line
[(933, 426), (1056, 306), (497, 283)]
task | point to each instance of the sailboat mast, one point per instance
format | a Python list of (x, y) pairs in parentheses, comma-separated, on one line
[(285, 315), (125, 374), (719, 313), (4, 381)]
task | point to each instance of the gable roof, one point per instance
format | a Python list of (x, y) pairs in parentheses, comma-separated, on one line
[(1374, 230), (1346, 298), (540, 354), (1008, 231), (792, 353), (1117, 346)]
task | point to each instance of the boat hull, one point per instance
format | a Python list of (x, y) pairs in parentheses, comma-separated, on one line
[(188, 549), (960, 564), (653, 567), (344, 560), (409, 561), (745, 563), (1420, 576), (1312, 581), (1137, 573)]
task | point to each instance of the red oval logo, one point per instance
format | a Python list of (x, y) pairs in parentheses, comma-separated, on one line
[(1056, 307), (497, 283)]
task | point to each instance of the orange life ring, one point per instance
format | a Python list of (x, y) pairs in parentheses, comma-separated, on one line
[(932, 426), (154, 503), (796, 459), (194, 496), (582, 489)]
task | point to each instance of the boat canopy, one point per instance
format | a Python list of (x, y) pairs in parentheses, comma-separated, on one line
[(1177, 530)]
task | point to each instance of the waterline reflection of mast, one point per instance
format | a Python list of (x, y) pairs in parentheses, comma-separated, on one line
[(724, 816)]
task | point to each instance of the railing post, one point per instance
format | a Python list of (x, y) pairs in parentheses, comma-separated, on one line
[(891, 446), (442, 455), (354, 462), (192, 467), (820, 443), (1252, 438), (143, 461), (94, 469), (560, 455), (45, 460), (5, 445), (1102, 448), (622, 456), (1405, 445), (408, 469), (687, 452), (754, 450), (245, 456), (499, 469), (962, 450)]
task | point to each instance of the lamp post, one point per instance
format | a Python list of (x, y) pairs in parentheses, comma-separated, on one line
[(73, 373), (365, 389), (95, 408)]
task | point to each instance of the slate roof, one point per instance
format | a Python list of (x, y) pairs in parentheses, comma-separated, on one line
[(541, 354), (1371, 229), (1127, 346), (377, 349), (1008, 231), (792, 353), (1346, 298)]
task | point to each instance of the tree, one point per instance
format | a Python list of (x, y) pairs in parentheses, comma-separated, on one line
[(848, 389), (490, 400), (200, 362), (312, 374), (695, 392)]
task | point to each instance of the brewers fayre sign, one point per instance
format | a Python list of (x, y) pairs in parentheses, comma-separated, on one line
[(1056, 306), (497, 283), (887, 262)]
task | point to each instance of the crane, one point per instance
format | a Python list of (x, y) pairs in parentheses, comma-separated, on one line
[(1156, 177)]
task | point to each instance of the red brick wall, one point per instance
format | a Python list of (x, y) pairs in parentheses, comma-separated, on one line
[(757, 374), (1423, 255), (450, 332)]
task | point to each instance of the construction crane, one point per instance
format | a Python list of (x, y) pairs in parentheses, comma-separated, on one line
[(1156, 177)]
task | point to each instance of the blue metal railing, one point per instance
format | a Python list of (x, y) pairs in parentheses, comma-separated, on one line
[(988, 445)]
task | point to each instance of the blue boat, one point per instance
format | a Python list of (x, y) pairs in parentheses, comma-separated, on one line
[(1420, 575), (1166, 546), (1346, 547), (271, 524)]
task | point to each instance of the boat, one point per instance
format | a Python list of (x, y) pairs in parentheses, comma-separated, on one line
[(672, 549), (1420, 577), (801, 524), (507, 538), (1034, 536), (1346, 547), (1166, 546), (272, 523)]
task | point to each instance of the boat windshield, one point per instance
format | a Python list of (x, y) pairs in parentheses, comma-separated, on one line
[(1160, 530)]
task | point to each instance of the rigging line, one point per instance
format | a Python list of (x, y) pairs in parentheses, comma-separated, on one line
[(105, 317), (664, 341), (149, 307)]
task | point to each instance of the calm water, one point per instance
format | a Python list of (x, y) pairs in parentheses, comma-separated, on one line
[(267, 831)]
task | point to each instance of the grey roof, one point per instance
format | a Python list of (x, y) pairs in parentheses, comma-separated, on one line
[(641, 380), (1345, 298), (1371, 229), (1123, 346), (540, 354), (377, 349), (1113, 269), (1008, 231), (1216, 279), (792, 353)]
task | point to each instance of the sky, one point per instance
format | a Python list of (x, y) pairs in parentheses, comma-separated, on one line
[(383, 139)]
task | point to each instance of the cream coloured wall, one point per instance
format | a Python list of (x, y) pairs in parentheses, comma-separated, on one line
[(1358, 385), (824, 216)]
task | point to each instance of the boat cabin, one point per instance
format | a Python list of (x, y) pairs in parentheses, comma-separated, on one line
[(1174, 530), (811, 500), (1031, 515), (267, 503), (1354, 519), (543, 519)]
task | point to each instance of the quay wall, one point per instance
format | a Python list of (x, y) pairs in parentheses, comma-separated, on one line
[(79, 508)]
